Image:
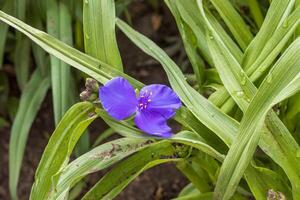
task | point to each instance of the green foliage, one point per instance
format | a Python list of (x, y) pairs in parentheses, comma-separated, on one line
[(252, 81), (99, 32), (30, 102)]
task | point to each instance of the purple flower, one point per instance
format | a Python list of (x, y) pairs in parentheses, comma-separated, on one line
[(153, 107)]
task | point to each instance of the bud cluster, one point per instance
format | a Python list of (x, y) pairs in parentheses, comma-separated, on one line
[(91, 90)]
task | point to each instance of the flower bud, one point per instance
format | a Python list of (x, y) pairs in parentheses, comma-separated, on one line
[(84, 96), (91, 85), (88, 96)]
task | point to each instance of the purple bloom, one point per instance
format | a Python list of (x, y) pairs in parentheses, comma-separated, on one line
[(153, 107)]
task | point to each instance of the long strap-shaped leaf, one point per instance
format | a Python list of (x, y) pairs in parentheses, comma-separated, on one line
[(278, 11), (30, 102), (23, 46), (3, 31), (59, 25), (60, 146), (269, 53), (234, 21), (97, 159), (274, 45), (99, 32), (87, 64), (185, 137), (241, 151), (235, 81), (120, 176), (190, 14), (190, 43)]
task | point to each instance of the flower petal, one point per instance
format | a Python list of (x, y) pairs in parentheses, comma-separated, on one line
[(167, 113), (153, 123), (162, 99), (118, 98)]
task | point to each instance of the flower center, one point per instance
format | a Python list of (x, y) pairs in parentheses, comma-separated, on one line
[(144, 100)]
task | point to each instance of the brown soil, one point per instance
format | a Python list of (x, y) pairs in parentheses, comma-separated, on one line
[(161, 182)]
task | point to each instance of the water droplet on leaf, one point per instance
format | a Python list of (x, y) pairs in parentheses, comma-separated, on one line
[(240, 94), (210, 35), (298, 154), (244, 80)]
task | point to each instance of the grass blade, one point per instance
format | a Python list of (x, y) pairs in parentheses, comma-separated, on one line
[(99, 32), (256, 12), (97, 159), (277, 13), (21, 60), (59, 25), (115, 181), (56, 155), (245, 144), (8, 7), (30, 102), (22, 50), (234, 21), (234, 80), (190, 44)]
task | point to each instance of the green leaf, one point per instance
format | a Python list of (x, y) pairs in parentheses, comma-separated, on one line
[(234, 21), (99, 70), (269, 180), (30, 102), (274, 46), (196, 195), (242, 150), (190, 14), (255, 11), (236, 81), (188, 189), (194, 140), (190, 44), (22, 50), (8, 7), (121, 175), (277, 13), (268, 55), (97, 159), (59, 25), (21, 60), (195, 176), (60, 147), (186, 15), (99, 32)]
